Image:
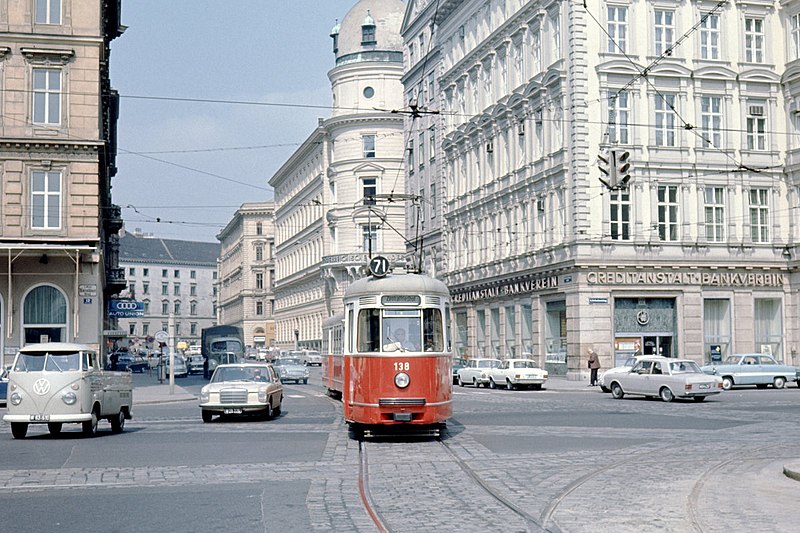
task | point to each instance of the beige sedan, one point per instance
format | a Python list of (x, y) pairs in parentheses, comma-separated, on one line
[(242, 389)]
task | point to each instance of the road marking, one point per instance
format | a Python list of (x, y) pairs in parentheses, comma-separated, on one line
[(296, 396)]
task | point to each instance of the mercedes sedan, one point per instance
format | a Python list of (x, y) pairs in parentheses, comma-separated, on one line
[(242, 389)]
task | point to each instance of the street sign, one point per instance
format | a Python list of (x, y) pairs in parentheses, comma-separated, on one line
[(125, 309), (161, 336), (379, 266)]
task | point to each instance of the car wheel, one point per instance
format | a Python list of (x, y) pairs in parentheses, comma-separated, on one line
[(276, 411), (666, 394), (305, 382), (727, 382), (207, 416), (54, 428), (537, 386), (19, 429), (492, 384), (461, 382), (616, 391), (509, 385), (779, 382), (700, 398), (604, 388), (118, 422), (475, 383), (90, 426), (268, 412)]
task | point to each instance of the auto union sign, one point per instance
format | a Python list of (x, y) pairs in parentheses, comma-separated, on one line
[(125, 309)]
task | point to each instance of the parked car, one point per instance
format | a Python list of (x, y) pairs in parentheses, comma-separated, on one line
[(132, 363), (194, 364), (242, 389), (4, 387), (514, 373), (665, 378), (753, 369), (606, 376), (458, 364), (477, 372), (291, 369), (181, 370)]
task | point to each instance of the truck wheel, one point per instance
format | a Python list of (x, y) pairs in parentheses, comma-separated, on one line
[(90, 426), (19, 429), (54, 428), (118, 422)]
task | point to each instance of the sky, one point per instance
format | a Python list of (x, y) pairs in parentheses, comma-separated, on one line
[(188, 154)]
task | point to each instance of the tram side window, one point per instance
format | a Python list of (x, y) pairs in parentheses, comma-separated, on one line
[(432, 330), (369, 330)]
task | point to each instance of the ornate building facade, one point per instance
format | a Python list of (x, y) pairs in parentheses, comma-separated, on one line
[(339, 197), (58, 231), (246, 274), (696, 257)]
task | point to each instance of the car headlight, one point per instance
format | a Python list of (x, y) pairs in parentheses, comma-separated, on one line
[(69, 398), (402, 380), (16, 399), (262, 394), (204, 395)]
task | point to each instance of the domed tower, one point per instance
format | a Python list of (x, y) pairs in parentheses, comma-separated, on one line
[(369, 57), (365, 176)]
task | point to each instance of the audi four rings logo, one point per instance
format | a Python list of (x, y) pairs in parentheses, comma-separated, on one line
[(41, 387), (126, 306)]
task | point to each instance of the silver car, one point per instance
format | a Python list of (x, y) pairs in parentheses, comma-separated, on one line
[(753, 369), (476, 372), (291, 369), (665, 378)]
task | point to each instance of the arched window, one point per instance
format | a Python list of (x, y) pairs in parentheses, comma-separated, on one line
[(44, 317)]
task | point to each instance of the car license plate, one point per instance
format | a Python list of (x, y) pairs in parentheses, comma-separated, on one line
[(232, 411), (40, 418), (705, 386)]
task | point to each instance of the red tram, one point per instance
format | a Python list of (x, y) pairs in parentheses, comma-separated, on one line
[(389, 356)]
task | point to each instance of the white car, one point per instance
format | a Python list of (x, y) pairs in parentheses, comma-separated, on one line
[(606, 376), (181, 370), (665, 378), (477, 372), (514, 373), (242, 389)]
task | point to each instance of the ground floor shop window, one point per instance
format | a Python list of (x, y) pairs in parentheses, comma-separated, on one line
[(495, 313), (527, 330), (461, 334), (556, 332), (511, 336), (480, 331), (716, 329), (768, 326), (44, 315)]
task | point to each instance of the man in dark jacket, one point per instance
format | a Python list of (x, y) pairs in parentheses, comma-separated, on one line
[(594, 366)]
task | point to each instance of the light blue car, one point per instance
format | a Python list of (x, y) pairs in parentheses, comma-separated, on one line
[(753, 369)]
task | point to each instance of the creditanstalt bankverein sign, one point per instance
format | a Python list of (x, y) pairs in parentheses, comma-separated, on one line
[(712, 279)]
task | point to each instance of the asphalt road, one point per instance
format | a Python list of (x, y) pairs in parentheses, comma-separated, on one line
[(568, 458)]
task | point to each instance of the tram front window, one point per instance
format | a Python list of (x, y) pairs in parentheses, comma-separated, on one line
[(405, 330)]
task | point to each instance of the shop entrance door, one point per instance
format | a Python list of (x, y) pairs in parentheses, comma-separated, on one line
[(657, 345)]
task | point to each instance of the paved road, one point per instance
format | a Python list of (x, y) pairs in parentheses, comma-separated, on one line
[(565, 459)]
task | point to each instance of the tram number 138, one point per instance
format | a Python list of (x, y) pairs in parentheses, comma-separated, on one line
[(399, 365)]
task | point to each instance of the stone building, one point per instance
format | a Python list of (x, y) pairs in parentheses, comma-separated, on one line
[(246, 274), (340, 196), (176, 281), (696, 255), (59, 116)]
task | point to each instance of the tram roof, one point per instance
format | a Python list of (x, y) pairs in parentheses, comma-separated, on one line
[(397, 284)]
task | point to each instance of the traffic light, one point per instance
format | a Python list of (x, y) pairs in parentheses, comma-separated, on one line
[(615, 167)]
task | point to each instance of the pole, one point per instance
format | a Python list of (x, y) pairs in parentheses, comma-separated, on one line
[(171, 354)]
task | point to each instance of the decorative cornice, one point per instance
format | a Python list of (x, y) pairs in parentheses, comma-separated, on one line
[(47, 56)]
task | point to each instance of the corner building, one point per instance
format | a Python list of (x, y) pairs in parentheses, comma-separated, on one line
[(339, 196), (696, 257)]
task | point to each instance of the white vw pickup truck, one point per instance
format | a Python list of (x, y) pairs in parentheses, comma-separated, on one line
[(56, 383)]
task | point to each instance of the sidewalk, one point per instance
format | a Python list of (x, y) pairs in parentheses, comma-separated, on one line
[(562, 383), (152, 394)]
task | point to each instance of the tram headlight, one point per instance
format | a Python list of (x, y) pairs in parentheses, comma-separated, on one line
[(402, 380)]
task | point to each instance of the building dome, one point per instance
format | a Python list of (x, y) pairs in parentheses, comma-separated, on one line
[(369, 30)]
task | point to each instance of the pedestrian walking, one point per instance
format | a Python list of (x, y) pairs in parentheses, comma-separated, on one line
[(594, 366)]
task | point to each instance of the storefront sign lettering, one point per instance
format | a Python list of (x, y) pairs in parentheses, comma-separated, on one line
[(506, 289), (713, 279)]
